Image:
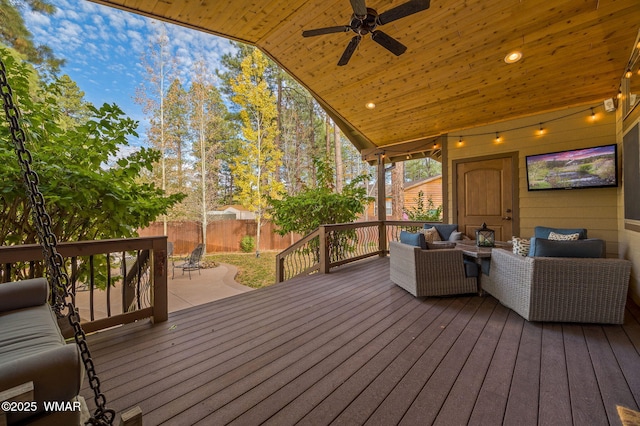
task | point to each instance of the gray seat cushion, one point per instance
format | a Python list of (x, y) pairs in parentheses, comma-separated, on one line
[(28, 331)]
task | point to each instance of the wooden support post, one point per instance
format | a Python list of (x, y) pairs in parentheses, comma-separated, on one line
[(279, 269), (324, 250), (160, 272), (382, 207), (132, 417), (20, 393), (382, 239)]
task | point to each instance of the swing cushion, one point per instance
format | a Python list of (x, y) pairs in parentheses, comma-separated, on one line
[(32, 348)]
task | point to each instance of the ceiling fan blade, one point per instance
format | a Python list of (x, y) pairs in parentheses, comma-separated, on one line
[(328, 30), (359, 8), (351, 47), (406, 9), (388, 42)]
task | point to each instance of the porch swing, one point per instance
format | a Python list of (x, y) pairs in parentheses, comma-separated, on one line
[(36, 365)]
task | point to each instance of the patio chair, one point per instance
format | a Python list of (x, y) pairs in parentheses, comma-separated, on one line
[(170, 257), (434, 272), (192, 262)]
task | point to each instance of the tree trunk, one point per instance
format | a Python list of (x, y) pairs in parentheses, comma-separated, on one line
[(327, 138), (203, 172), (279, 122), (397, 190), (338, 155)]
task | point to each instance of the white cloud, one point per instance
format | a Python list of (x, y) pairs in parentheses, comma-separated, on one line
[(103, 47)]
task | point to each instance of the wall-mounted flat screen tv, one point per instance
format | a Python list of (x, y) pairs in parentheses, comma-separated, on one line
[(595, 167)]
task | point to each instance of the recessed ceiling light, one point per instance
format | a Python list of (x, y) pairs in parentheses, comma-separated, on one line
[(513, 57), (370, 105)]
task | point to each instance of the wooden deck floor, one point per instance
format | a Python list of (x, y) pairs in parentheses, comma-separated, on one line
[(352, 348)]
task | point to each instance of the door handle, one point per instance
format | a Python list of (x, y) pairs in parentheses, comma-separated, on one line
[(507, 218)]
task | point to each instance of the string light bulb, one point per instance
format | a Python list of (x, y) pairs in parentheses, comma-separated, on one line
[(460, 141), (619, 95), (498, 139), (541, 130), (628, 74), (593, 115)]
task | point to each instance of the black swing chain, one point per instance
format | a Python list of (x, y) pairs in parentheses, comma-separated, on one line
[(54, 261)]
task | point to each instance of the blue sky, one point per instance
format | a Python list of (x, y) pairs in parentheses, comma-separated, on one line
[(103, 47)]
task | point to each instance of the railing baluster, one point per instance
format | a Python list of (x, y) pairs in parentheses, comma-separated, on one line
[(74, 274), (91, 285), (139, 278), (7, 273), (108, 285)]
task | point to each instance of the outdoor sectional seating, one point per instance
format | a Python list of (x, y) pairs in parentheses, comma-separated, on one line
[(431, 272), (563, 289)]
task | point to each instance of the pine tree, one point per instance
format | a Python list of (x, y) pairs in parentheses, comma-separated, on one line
[(14, 33)]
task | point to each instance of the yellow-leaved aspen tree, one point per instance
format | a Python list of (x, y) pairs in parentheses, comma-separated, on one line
[(258, 158)]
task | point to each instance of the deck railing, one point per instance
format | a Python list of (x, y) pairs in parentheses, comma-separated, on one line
[(330, 246), (114, 281)]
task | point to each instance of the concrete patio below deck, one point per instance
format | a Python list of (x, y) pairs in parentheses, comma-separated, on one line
[(204, 286)]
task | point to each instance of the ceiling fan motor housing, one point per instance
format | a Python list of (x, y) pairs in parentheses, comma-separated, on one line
[(366, 25)]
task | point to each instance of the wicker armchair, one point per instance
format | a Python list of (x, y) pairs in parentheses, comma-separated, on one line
[(589, 290), (429, 272)]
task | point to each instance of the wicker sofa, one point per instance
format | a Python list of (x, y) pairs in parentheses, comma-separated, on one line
[(430, 272), (587, 290), (36, 365)]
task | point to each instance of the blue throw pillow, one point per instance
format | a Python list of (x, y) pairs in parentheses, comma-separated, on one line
[(444, 229), (413, 239), (592, 247)]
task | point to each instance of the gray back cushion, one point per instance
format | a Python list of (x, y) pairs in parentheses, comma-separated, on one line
[(543, 232), (413, 239), (444, 229), (593, 247)]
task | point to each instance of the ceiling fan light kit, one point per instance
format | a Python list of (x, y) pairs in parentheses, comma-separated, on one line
[(365, 20)]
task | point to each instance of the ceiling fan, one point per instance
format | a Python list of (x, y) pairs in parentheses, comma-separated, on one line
[(365, 21)]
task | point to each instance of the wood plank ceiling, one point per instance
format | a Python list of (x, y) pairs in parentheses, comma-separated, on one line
[(452, 76)]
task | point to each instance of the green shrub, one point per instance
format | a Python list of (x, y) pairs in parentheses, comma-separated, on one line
[(247, 244), (428, 213)]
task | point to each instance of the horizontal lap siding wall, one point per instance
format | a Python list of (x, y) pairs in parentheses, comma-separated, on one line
[(595, 209), (222, 235)]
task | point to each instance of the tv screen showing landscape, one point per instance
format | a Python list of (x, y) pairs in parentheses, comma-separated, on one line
[(595, 167)]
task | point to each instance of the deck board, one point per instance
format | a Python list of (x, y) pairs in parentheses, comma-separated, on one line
[(351, 348), (555, 404)]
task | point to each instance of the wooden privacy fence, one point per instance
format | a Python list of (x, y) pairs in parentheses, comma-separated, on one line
[(222, 235)]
